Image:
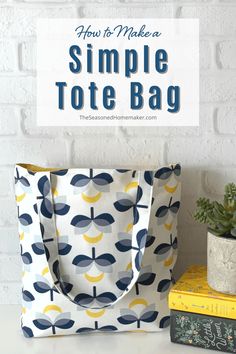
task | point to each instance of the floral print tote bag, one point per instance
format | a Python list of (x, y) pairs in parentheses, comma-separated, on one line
[(98, 248)]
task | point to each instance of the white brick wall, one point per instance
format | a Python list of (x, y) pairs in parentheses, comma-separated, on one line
[(207, 153), (226, 52)]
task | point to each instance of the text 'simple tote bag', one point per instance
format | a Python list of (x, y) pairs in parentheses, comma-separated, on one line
[(98, 248)]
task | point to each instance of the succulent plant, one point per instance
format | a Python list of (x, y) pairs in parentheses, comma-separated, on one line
[(220, 218)]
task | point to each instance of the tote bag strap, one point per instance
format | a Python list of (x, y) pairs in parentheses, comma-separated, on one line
[(45, 210)]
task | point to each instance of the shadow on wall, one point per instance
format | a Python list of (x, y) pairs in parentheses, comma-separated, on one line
[(202, 181), (192, 237)]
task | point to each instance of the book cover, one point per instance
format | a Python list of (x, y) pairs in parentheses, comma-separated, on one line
[(207, 332), (191, 293)]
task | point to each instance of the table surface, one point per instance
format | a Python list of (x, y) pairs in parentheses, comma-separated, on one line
[(13, 342)]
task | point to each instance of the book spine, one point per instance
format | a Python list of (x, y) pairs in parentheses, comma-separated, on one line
[(203, 305), (202, 331)]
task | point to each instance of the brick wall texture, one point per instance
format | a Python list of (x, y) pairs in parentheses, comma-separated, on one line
[(207, 152)]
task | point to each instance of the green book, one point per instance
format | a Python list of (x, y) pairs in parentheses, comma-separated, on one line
[(208, 332)]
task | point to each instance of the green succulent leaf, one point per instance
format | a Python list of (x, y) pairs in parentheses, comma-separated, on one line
[(233, 232), (220, 218), (230, 197)]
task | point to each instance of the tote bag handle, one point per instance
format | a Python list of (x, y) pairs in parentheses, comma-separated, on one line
[(49, 239)]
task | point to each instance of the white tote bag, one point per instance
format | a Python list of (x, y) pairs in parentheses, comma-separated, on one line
[(98, 247)]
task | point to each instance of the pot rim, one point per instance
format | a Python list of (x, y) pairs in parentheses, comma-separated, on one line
[(230, 240)]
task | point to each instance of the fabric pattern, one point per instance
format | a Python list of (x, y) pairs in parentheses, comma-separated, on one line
[(98, 248)]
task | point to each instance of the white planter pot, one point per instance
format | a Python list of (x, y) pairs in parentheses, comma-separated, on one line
[(221, 263)]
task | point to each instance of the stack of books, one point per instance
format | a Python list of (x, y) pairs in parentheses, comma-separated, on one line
[(200, 316)]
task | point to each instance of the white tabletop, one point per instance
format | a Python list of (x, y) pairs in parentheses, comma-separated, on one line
[(13, 342)]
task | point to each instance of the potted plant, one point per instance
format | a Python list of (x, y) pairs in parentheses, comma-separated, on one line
[(221, 243)]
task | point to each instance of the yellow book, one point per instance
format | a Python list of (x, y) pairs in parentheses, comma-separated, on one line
[(191, 293)]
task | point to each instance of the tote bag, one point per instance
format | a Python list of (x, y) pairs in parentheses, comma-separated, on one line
[(98, 248)]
